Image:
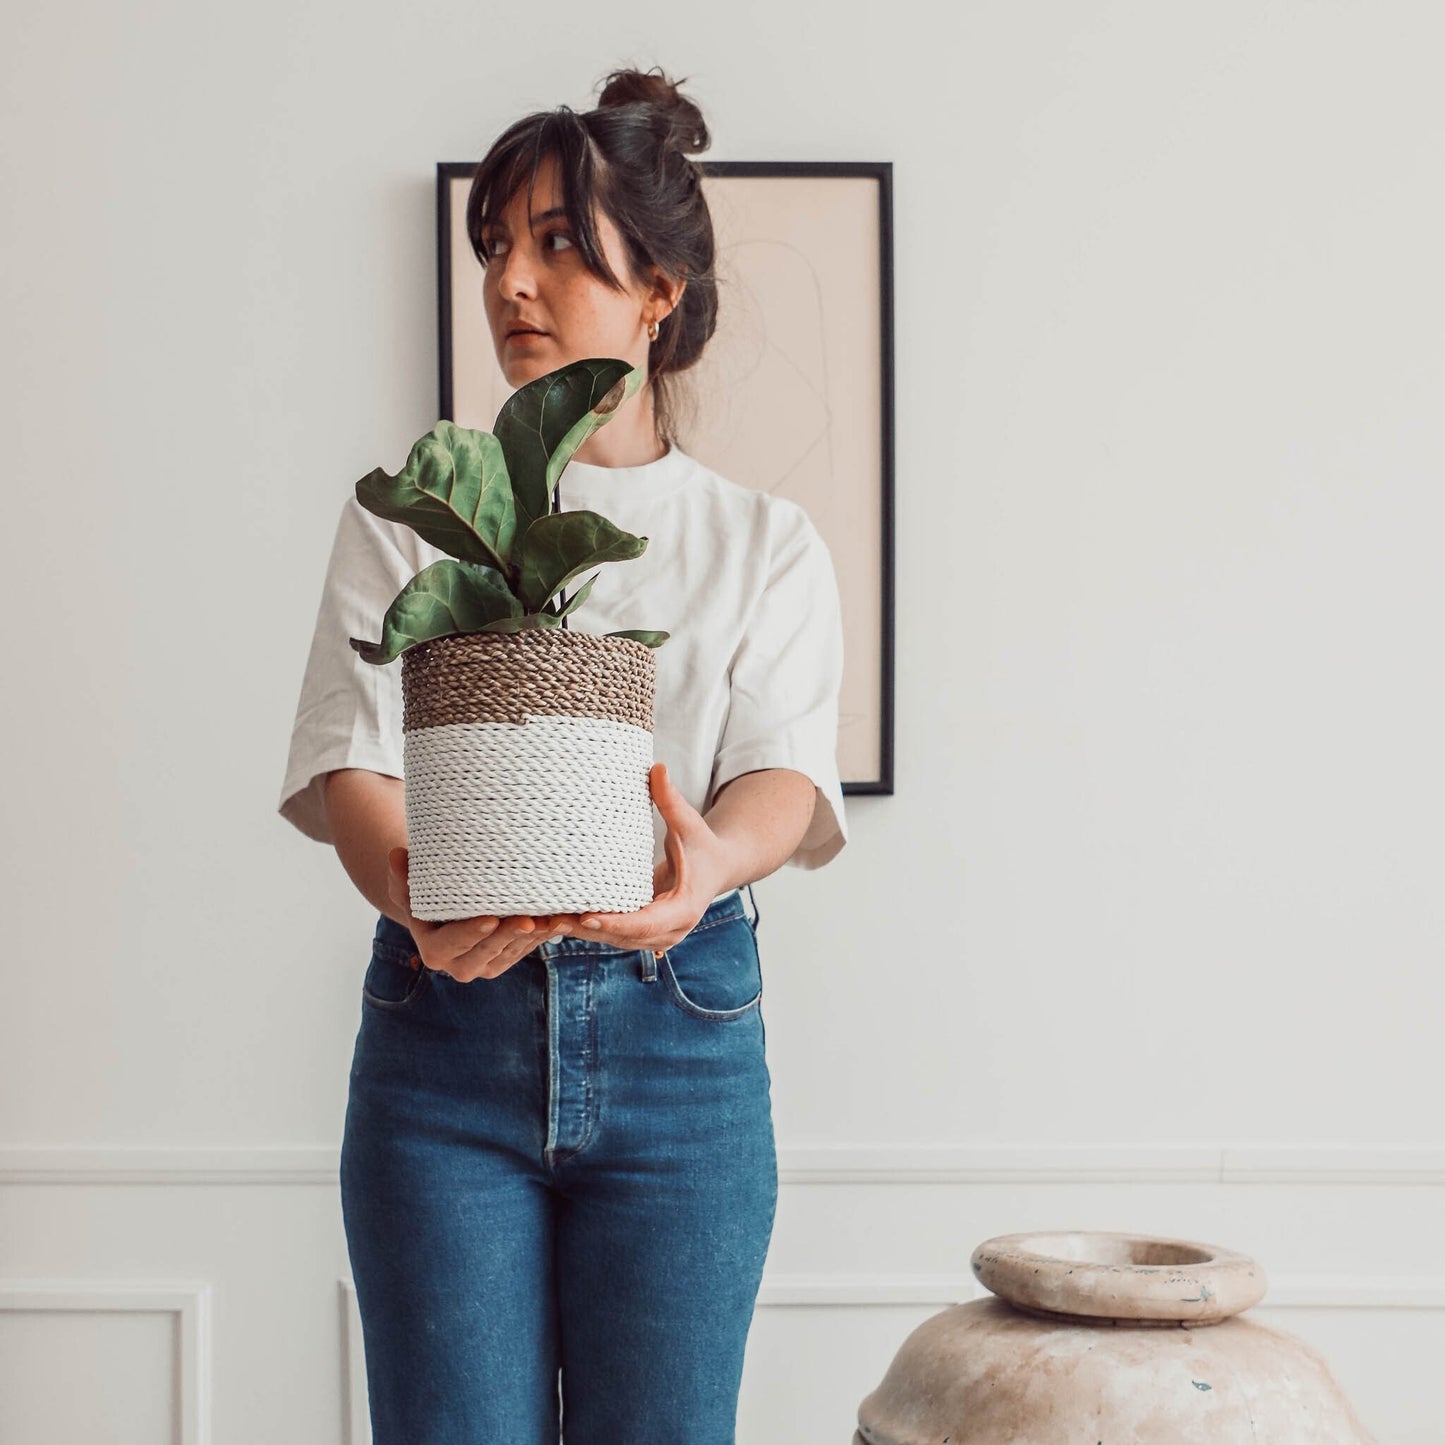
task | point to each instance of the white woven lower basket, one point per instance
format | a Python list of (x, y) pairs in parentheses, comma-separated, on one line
[(526, 757)]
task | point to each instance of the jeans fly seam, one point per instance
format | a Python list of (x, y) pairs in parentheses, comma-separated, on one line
[(589, 1065), (550, 1149)]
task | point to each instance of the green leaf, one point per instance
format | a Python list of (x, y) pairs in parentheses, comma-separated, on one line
[(651, 639), (530, 622), (579, 596), (541, 424), (560, 545), (445, 598), (454, 491), (485, 500)]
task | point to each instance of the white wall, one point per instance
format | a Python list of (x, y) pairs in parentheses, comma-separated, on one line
[(1150, 935)]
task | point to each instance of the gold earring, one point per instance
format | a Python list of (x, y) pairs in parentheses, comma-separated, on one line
[(652, 331)]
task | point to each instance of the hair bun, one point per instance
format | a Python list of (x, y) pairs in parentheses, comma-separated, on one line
[(681, 124)]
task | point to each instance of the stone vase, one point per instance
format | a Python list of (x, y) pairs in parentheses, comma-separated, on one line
[(1122, 1338)]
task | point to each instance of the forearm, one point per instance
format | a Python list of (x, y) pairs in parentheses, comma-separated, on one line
[(367, 814), (762, 817)]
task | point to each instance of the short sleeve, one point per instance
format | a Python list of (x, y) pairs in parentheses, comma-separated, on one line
[(785, 680), (349, 714)]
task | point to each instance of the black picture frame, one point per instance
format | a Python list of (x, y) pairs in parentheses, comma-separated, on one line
[(867, 770)]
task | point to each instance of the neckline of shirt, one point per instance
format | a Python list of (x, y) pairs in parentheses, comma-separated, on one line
[(651, 479)]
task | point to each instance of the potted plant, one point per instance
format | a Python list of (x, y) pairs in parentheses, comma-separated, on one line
[(527, 743)]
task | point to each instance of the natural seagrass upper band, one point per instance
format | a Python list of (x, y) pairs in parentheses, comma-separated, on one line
[(501, 676)]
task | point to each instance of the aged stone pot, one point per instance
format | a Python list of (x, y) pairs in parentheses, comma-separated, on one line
[(1123, 1338)]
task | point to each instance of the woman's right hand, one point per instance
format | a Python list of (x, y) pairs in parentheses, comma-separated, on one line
[(468, 948)]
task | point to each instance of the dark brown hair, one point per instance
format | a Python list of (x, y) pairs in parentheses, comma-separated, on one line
[(629, 159)]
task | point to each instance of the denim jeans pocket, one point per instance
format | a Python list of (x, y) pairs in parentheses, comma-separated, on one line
[(391, 982), (715, 972)]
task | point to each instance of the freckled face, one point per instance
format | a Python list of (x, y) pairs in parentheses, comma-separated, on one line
[(537, 275)]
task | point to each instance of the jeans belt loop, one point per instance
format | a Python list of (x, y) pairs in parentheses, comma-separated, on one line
[(753, 921)]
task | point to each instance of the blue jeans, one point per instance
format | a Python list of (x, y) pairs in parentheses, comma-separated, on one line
[(558, 1189)]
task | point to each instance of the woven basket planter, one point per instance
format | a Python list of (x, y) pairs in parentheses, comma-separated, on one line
[(527, 757)]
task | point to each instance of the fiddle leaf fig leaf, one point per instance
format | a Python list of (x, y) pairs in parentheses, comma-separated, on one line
[(445, 598), (530, 622), (558, 546), (543, 423), (579, 596), (454, 491), (485, 499), (651, 639)]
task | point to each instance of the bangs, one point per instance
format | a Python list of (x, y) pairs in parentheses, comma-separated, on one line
[(516, 156)]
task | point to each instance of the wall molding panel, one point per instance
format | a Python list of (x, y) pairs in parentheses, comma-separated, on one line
[(188, 1301), (1290, 1291), (807, 1164)]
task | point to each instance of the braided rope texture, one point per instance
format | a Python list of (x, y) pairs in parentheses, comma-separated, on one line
[(526, 759)]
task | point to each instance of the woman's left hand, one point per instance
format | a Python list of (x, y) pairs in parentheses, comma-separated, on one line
[(683, 884)]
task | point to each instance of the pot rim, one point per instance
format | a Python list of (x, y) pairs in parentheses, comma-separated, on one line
[(1101, 1274)]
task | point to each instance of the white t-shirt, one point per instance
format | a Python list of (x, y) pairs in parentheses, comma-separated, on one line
[(749, 677)]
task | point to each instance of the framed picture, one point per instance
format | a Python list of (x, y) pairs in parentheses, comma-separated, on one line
[(793, 394)]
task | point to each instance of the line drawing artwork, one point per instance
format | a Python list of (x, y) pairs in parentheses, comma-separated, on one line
[(792, 394)]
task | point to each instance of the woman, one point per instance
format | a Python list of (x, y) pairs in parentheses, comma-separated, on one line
[(558, 1172)]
